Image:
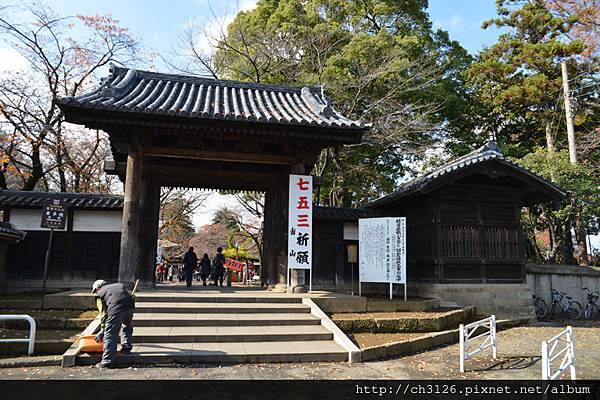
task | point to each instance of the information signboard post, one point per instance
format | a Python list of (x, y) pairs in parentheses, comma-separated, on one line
[(300, 218), (54, 216), (382, 248)]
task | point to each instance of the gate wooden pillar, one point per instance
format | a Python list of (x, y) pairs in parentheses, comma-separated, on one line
[(275, 236), (140, 220), (150, 216)]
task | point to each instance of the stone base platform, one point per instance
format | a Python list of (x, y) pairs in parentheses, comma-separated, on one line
[(329, 302)]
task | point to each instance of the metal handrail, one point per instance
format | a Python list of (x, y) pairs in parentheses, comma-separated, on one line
[(465, 335), (566, 361), (32, 328)]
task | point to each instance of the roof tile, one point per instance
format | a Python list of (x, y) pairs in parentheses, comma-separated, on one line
[(129, 90)]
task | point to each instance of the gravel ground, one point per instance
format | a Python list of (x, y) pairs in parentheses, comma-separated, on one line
[(518, 349)]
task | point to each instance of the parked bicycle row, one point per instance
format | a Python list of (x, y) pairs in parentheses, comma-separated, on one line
[(563, 306)]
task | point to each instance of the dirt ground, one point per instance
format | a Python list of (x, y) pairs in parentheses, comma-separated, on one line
[(518, 350), (364, 340)]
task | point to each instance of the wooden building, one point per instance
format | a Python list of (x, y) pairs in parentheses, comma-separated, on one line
[(86, 250), (463, 228), (463, 221), (172, 130), (9, 235)]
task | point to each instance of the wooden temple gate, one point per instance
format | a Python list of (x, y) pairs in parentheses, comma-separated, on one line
[(172, 130)]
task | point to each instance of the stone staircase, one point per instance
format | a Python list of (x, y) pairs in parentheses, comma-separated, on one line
[(215, 327)]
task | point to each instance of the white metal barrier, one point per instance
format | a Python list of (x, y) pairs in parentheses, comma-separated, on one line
[(488, 337), (549, 355), (32, 326)]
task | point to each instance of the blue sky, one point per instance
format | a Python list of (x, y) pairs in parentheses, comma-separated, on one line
[(158, 23)]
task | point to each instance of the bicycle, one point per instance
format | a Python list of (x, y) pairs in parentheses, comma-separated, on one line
[(540, 306), (592, 303), (572, 308)]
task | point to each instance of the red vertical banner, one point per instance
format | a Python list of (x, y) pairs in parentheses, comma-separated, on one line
[(300, 220)]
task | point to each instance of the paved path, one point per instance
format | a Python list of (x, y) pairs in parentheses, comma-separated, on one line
[(519, 349)]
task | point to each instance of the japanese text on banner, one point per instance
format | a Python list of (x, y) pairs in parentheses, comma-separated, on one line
[(300, 222)]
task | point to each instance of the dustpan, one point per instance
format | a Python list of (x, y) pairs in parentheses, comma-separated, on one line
[(88, 344)]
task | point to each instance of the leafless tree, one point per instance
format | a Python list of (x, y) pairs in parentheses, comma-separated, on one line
[(36, 149)]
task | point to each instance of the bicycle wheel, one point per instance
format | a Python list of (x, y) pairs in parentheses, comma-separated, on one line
[(588, 312), (574, 311), (541, 309), (554, 309)]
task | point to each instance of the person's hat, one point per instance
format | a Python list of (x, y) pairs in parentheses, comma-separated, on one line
[(98, 284)]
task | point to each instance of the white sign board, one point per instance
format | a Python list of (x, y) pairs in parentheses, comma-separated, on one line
[(382, 249), (300, 220), (372, 236)]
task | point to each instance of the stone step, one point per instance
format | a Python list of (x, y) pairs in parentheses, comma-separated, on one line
[(154, 298), (221, 308), (213, 319), (226, 353), (213, 334)]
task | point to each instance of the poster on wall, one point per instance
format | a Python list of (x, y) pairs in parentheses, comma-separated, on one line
[(300, 219), (382, 249)]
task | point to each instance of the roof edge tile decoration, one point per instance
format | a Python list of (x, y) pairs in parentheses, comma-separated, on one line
[(143, 92), (33, 199), (487, 152)]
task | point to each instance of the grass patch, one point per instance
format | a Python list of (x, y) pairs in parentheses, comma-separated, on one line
[(21, 296), (438, 312), (54, 313), (41, 334)]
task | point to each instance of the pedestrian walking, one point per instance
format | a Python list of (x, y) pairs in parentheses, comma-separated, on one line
[(190, 262), (204, 268), (115, 305), (218, 266)]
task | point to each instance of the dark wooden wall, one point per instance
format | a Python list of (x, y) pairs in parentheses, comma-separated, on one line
[(91, 255), (328, 253), (465, 232)]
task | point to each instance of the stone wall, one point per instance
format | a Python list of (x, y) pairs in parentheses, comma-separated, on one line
[(564, 278), (504, 300)]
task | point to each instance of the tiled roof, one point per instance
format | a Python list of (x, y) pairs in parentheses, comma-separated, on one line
[(134, 91), (27, 199), (342, 214), (8, 231), (489, 151)]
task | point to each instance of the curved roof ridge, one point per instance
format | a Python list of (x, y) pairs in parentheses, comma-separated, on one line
[(127, 90), (488, 151)]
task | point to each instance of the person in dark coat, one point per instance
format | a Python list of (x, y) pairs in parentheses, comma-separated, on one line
[(218, 265), (204, 268), (190, 262), (116, 306)]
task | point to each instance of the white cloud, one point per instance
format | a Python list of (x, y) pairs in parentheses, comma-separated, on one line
[(456, 21), (206, 212), (214, 29), (11, 60)]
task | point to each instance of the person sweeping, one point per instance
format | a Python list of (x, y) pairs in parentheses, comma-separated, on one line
[(115, 305)]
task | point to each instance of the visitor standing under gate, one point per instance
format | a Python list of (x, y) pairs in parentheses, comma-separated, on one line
[(218, 266), (190, 262), (204, 268)]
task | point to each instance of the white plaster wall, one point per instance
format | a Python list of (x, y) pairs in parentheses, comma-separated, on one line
[(350, 230), (97, 221), (26, 219)]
